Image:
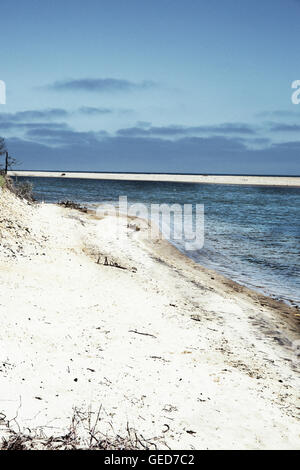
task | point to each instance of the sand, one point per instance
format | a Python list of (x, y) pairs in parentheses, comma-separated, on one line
[(293, 181), (181, 354)]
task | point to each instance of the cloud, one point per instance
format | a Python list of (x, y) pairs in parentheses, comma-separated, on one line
[(177, 131), (278, 127), (100, 85), (97, 111), (264, 141), (293, 145), (279, 113), (95, 152), (11, 125), (63, 136), (91, 111), (7, 119), (31, 115), (60, 134), (222, 148)]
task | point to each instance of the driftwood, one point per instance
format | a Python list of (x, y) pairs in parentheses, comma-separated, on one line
[(111, 264), (114, 264)]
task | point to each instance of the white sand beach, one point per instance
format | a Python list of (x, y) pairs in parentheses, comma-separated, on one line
[(187, 358), (293, 181)]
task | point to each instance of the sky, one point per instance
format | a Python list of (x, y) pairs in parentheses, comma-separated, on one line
[(191, 86)]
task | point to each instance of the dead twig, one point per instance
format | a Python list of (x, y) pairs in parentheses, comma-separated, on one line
[(81, 423), (140, 333)]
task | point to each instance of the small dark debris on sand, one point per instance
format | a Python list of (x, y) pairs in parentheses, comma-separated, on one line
[(73, 205)]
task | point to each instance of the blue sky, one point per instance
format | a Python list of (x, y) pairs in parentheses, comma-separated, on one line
[(162, 85)]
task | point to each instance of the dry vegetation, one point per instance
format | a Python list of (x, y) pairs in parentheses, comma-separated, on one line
[(22, 190), (84, 434)]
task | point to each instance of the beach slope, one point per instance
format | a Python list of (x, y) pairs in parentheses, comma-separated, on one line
[(127, 331)]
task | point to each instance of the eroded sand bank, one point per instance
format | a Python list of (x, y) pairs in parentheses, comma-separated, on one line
[(293, 181), (186, 357)]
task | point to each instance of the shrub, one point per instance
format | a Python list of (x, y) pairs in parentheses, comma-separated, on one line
[(21, 190), (24, 191)]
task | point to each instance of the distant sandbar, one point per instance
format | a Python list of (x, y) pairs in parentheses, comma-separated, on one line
[(293, 181)]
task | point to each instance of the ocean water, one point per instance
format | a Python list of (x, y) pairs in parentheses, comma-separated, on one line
[(252, 233)]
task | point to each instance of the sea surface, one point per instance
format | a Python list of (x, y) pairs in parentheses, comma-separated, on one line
[(252, 233)]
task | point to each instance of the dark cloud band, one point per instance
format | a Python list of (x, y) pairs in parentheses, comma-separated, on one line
[(100, 85)]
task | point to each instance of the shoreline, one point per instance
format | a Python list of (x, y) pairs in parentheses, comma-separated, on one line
[(91, 319), (261, 291), (176, 258), (177, 253), (285, 181)]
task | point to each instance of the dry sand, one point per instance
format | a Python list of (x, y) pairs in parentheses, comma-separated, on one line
[(180, 353), (207, 179)]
